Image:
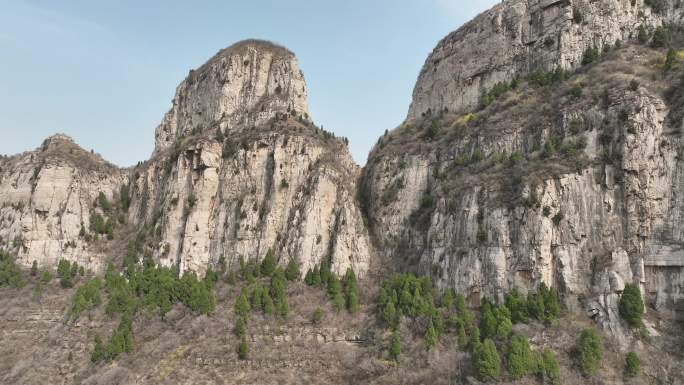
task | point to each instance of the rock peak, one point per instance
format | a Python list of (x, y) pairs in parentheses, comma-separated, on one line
[(242, 86)]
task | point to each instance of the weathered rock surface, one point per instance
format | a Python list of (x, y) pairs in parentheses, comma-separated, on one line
[(47, 196), (244, 85), (248, 172), (517, 37), (586, 221)]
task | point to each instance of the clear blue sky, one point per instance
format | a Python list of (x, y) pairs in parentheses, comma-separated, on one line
[(104, 72)]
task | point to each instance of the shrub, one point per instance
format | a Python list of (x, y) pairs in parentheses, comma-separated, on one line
[(10, 273), (576, 91), (34, 268), (548, 368), (591, 54), (632, 365), (486, 361), (670, 59), (317, 316), (395, 346), (520, 360), (661, 37), (631, 305), (590, 348)]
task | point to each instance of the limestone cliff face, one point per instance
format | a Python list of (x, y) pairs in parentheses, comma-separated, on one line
[(248, 172), (517, 37), (47, 196), (485, 204), (244, 85)]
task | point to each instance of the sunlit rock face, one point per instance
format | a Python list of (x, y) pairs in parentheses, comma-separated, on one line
[(239, 169)]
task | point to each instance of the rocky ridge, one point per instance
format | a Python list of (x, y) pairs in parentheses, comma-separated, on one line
[(518, 37)]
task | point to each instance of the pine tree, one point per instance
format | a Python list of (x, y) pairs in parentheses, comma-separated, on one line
[(504, 326), (395, 346), (353, 302), (488, 323), (520, 360), (242, 307), (240, 327), (269, 307), (316, 276), (325, 273), (292, 272), (98, 354), (268, 265), (590, 351), (308, 277), (517, 304), (338, 301), (486, 361), (243, 348), (430, 336), (34, 268), (632, 305), (389, 314), (549, 368), (283, 308)]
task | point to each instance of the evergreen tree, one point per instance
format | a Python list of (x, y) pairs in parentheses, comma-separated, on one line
[(316, 276), (488, 323), (240, 327), (520, 360), (632, 305), (395, 346), (325, 273), (632, 365), (242, 307), (548, 368), (517, 304), (590, 351), (308, 277), (268, 264), (98, 354), (243, 348), (351, 291), (268, 305), (486, 361), (448, 298), (504, 326), (551, 304), (430, 336), (389, 314), (292, 272), (338, 301), (474, 338), (353, 302), (34, 268), (461, 304), (283, 308)]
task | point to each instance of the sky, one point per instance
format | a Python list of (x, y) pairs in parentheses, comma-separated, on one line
[(105, 72)]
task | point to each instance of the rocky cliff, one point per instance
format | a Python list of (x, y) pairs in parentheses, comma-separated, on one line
[(568, 178), (239, 169), (48, 197), (517, 37)]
